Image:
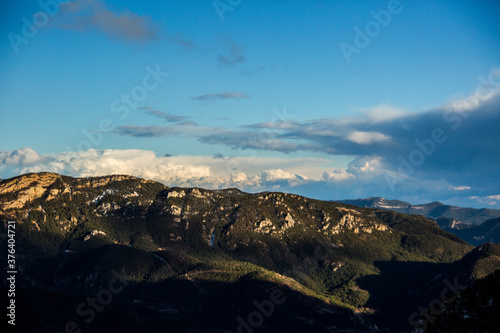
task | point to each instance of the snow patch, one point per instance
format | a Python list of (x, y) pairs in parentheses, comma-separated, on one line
[(100, 197)]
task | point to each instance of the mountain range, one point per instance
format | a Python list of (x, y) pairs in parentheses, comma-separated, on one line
[(126, 254), (476, 226), (433, 210)]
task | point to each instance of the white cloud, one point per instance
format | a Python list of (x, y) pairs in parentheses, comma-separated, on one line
[(487, 90), (239, 177), (278, 174), (203, 171), (491, 200), (337, 175), (383, 113), (21, 157), (313, 177), (368, 165), (366, 138), (459, 188)]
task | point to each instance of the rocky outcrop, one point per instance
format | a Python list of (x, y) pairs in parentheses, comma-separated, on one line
[(26, 188), (264, 227), (16, 192)]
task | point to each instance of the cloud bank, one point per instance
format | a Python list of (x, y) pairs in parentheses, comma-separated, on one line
[(457, 142), (312, 177), (248, 173)]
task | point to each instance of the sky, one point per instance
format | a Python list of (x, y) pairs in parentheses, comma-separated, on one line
[(327, 99)]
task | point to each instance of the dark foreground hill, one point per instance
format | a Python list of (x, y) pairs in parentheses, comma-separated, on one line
[(476, 310), (123, 254)]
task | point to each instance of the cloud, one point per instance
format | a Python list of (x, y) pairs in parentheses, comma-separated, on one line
[(164, 115), (383, 113), (188, 123), (449, 153), (186, 127), (218, 96), (337, 175), (250, 173), (180, 40), (21, 157), (144, 131), (444, 143), (312, 177), (232, 54), (460, 188), (251, 140), (492, 201), (449, 149), (366, 138), (84, 15), (485, 92)]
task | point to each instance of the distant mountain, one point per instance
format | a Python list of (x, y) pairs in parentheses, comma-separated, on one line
[(476, 226), (433, 210), (196, 260), (488, 231)]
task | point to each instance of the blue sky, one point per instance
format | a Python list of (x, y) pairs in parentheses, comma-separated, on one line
[(265, 85)]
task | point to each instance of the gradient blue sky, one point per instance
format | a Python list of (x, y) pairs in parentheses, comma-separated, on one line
[(231, 79)]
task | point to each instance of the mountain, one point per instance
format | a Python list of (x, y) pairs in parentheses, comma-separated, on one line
[(433, 210), (476, 226), (488, 231), (131, 255)]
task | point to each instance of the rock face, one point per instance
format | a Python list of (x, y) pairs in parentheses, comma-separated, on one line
[(27, 188)]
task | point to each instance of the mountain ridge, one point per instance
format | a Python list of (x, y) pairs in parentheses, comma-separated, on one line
[(432, 210), (476, 226)]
